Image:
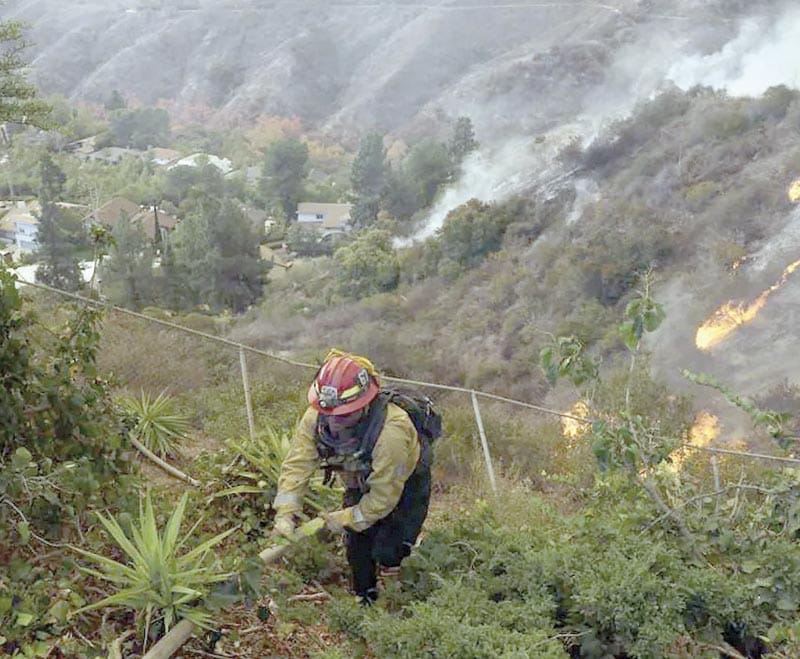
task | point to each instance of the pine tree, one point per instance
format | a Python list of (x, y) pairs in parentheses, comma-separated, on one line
[(369, 176), (128, 275), (283, 173), (462, 140), (58, 266), (18, 102)]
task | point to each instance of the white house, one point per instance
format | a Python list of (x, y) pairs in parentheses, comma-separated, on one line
[(27, 231), (21, 225), (327, 218), (196, 159)]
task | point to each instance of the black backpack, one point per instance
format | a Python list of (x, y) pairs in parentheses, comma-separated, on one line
[(420, 408)]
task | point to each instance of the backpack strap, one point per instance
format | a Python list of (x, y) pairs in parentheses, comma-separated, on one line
[(369, 430)]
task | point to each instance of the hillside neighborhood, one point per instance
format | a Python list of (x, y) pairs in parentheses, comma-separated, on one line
[(20, 217)]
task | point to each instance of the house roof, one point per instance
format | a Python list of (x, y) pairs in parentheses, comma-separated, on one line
[(147, 219), (22, 211), (334, 216), (111, 211), (162, 156), (222, 164)]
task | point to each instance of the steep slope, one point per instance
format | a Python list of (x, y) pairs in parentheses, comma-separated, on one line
[(346, 65)]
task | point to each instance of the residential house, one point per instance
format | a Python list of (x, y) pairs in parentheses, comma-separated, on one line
[(147, 219), (21, 224), (27, 231), (199, 159), (163, 157), (83, 147), (111, 155), (110, 213), (327, 218)]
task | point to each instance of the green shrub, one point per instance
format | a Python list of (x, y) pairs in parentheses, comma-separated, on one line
[(155, 422), (162, 578)]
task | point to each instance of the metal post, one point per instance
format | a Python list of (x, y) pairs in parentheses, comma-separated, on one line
[(248, 404), (484, 443)]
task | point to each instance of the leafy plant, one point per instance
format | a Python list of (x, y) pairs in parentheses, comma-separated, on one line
[(267, 452), (157, 579), (154, 422)]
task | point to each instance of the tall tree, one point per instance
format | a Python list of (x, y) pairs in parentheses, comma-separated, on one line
[(428, 166), (139, 128), (283, 173), (58, 265), (115, 101), (128, 275), (215, 258), (369, 176), (462, 140), (18, 101), (368, 265)]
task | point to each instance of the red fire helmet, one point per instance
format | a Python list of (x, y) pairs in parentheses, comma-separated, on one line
[(342, 386)]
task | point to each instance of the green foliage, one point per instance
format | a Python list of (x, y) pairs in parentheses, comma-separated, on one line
[(470, 232), (214, 259), (138, 128), (462, 141), (565, 357), (128, 277), (18, 102), (428, 166), (283, 172), (368, 176), (368, 265), (162, 578), (154, 422), (115, 101), (266, 452), (308, 241), (642, 314), (61, 456), (59, 265)]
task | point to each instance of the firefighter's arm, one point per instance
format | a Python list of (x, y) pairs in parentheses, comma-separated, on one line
[(394, 457), (297, 468)]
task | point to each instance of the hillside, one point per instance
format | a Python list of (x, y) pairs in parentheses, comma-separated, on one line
[(513, 67), (693, 187)]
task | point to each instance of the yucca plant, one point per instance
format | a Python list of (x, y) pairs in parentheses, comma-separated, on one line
[(162, 578), (266, 453), (154, 421)]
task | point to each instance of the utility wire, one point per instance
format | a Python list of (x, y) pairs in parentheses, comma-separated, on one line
[(417, 383)]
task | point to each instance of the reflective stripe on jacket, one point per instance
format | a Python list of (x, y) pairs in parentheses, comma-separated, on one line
[(394, 457)]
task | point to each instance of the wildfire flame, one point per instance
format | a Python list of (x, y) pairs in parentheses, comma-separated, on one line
[(705, 430), (730, 316), (572, 428)]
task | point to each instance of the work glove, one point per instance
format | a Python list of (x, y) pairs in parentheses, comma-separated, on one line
[(283, 526), (334, 522)]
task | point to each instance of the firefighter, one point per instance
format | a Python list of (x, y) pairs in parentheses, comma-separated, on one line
[(352, 430)]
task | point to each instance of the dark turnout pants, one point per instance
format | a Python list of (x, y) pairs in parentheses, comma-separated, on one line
[(389, 540)]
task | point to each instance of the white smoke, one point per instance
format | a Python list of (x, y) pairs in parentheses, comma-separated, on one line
[(759, 57), (493, 174)]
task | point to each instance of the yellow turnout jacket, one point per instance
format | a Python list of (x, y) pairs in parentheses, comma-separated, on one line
[(394, 457)]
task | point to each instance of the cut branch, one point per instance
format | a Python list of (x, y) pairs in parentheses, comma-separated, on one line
[(172, 471)]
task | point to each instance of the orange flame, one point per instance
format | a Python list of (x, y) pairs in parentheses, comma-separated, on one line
[(572, 428), (730, 316), (705, 430)]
